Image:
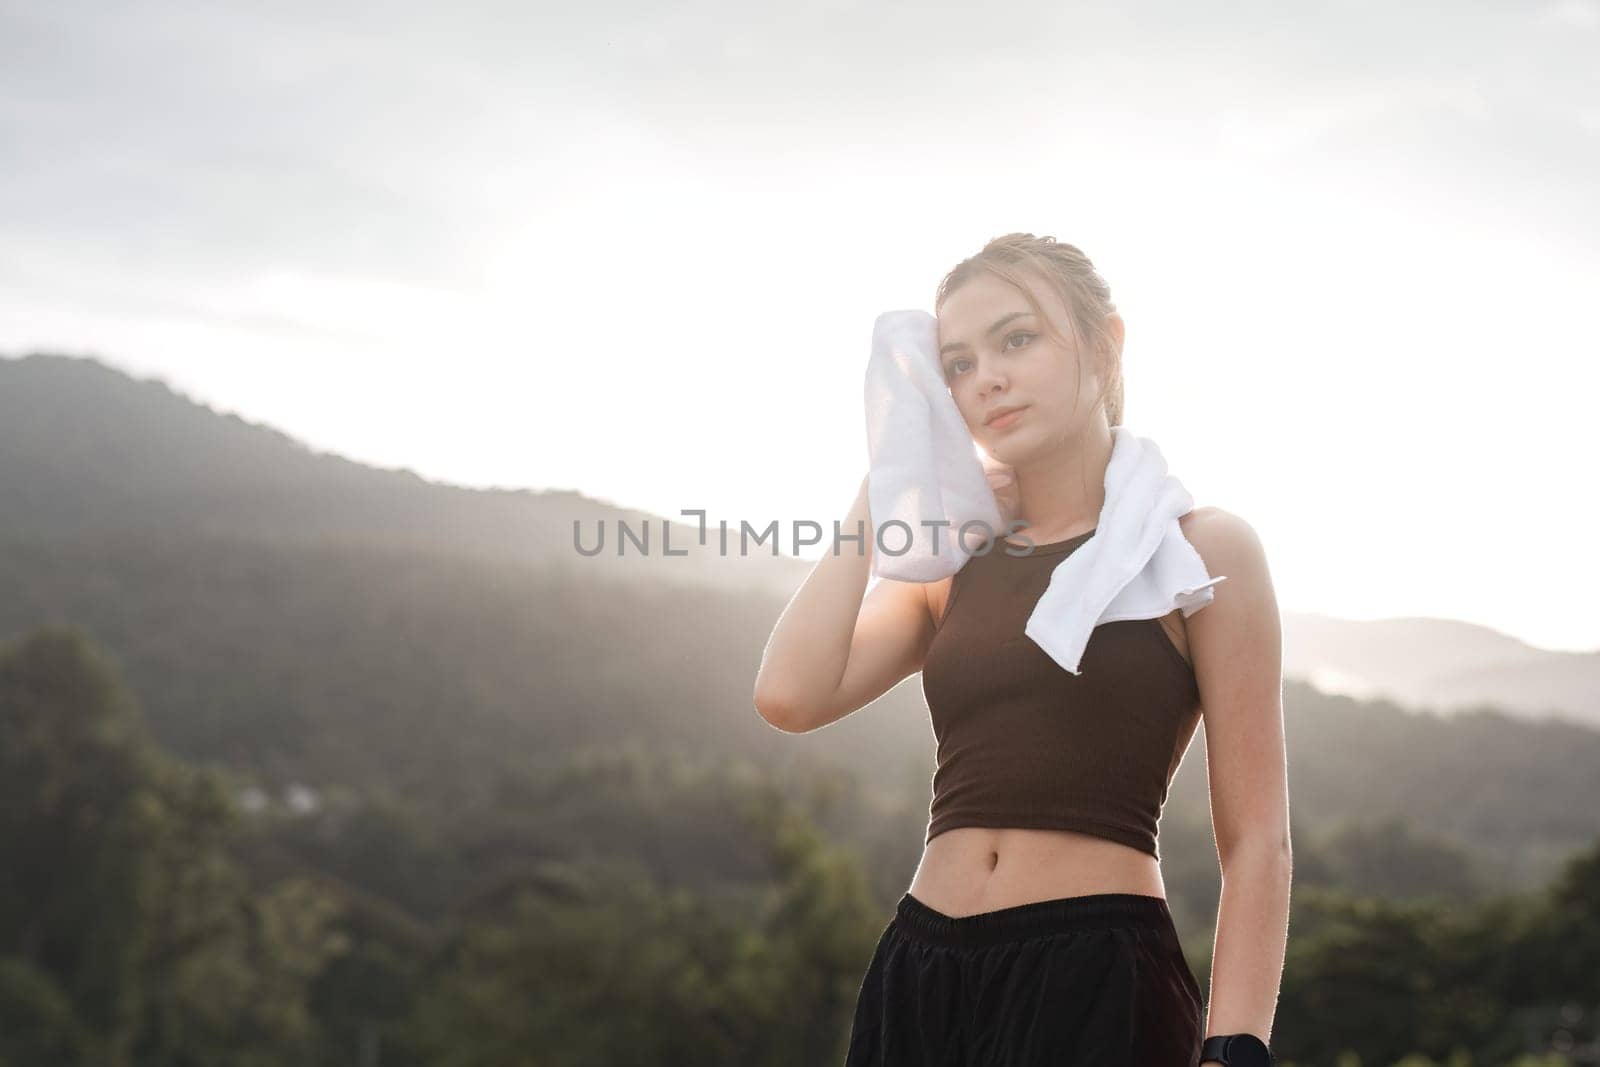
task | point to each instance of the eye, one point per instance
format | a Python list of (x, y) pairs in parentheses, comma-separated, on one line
[(950, 368), (1019, 333)]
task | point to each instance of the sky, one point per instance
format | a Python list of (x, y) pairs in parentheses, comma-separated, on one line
[(637, 250)]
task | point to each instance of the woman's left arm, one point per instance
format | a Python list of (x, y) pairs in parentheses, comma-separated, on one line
[(1236, 645)]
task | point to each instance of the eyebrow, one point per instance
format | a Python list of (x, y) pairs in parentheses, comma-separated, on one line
[(1001, 321)]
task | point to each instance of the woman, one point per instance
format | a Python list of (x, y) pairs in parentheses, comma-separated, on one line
[(1036, 928)]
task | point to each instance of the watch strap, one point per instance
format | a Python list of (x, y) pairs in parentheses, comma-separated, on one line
[(1236, 1050)]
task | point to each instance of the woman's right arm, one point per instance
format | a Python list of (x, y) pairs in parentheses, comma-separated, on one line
[(832, 651)]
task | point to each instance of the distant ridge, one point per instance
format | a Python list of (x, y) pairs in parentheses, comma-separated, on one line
[(299, 617), (89, 450)]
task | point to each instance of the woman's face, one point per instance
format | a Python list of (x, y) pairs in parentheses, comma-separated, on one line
[(997, 355)]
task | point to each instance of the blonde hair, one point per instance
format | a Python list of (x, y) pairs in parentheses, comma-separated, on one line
[(1084, 294)]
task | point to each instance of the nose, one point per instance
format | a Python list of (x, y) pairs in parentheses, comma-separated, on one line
[(988, 376)]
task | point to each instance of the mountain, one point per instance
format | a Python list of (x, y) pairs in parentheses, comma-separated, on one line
[(90, 452), (1441, 664), (301, 618)]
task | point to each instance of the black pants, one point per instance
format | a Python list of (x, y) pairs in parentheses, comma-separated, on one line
[(1093, 980)]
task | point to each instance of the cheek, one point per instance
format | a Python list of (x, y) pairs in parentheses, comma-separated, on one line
[(1064, 379)]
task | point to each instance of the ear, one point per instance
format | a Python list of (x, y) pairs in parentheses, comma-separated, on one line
[(1117, 328)]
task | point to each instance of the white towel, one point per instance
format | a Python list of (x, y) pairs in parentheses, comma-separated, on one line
[(1138, 564), (924, 466)]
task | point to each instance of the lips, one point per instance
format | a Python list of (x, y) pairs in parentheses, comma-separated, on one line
[(1000, 413)]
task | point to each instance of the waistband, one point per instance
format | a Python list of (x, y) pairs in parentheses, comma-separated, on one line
[(1147, 915)]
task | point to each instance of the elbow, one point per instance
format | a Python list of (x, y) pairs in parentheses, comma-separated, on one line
[(777, 710), (1257, 853)]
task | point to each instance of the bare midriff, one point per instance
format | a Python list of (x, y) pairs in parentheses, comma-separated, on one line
[(972, 869)]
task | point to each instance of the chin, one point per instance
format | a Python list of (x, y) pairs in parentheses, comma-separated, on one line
[(1015, 449), (1005, 452), (1011, 440)]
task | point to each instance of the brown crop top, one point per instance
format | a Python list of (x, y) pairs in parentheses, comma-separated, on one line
[(1023, 742)]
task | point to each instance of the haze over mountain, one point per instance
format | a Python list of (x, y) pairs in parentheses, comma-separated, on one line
[(301, 618), (90, 449)]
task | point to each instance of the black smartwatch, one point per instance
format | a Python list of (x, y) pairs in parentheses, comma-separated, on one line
[(1237, 1050)]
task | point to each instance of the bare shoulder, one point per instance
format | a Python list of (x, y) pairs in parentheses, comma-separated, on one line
[(1237, 637), (1228, 546), (1227, 543)]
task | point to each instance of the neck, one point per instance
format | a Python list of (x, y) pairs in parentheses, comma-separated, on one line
[(1063, 488)]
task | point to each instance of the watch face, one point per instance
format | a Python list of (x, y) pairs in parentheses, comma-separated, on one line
[(1247, 1050)]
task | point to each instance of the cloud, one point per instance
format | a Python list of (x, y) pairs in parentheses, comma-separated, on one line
[(214, 140), (1571, 14)]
